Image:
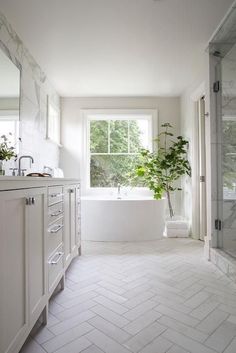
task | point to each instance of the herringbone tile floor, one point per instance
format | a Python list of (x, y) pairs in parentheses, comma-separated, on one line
[(151, 297)]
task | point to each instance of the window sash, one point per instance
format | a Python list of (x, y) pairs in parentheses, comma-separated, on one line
[(114, 154), (129, 135)]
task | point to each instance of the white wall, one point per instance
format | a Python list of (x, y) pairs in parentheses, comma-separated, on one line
[(33, 102), (189, 129), (72, 129)]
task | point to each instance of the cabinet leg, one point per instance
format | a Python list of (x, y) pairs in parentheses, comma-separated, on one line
[(62, 282), (79, 251), (45, 315)]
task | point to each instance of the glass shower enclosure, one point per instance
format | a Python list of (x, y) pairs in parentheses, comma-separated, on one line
[(223, 48), (228, 150)]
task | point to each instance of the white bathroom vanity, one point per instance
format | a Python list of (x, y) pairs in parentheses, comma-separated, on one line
[(40, 235)]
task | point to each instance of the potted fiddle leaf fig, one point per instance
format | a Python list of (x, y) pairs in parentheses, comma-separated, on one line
[(7, 151), (161, 169)]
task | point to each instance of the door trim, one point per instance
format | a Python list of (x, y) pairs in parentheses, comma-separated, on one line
[(195, 97)]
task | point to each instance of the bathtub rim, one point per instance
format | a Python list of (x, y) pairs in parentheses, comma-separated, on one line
[(123, 198)]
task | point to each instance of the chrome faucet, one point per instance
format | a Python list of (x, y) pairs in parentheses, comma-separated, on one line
[(21, 171), (118, 191)]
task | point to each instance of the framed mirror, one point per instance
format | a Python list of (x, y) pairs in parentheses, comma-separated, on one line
[(9, 99)]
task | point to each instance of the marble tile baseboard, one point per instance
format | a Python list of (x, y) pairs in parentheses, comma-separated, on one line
[(225, 262)]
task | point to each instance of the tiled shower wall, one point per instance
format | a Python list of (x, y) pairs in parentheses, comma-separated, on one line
[(35, 88)]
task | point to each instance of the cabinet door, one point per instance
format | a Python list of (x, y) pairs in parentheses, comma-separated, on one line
[(13, 270), (67, 245), (70, 228), (78, 216), (73, 219), (36, 230)]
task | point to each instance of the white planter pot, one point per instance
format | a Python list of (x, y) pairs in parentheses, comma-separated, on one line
[(176, 228)]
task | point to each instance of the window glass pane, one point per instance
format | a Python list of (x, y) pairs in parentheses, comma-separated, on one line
[(118, 136), (99, 136), (9, 126), (109, 170), (138, 130)]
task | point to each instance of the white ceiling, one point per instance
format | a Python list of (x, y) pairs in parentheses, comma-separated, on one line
[(117, 47), (9, 78)]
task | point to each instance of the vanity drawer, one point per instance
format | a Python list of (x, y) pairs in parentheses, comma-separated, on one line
[(55, 235), (55, 212), (55, 268), (55, 194)]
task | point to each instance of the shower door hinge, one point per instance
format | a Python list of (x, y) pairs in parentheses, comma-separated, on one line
[(218, 224), (216, 86)]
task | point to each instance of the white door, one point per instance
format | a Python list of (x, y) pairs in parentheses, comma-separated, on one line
[(78, 218), (202, 168), (67, 225), (36, 230), (73, 219), (70, 222), (13, 270)]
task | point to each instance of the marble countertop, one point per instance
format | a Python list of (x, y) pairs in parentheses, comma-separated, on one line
[(12, 183)]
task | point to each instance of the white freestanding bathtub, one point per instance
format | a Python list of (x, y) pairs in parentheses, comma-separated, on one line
[(126, 219)]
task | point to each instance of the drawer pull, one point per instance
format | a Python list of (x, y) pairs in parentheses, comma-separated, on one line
[(30, 201), (55, 214), (58, 257), (56, 229), (56, 195)]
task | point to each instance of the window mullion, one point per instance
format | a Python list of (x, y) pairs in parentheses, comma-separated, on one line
[(109, 137), (128, 136)]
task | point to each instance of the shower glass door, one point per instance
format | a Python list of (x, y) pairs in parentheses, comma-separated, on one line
[(228, 151)]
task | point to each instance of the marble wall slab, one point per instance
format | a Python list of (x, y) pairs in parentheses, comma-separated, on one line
[(35, 88)]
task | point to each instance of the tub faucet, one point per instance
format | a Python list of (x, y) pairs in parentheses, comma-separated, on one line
[(21, 171), (118, 191)]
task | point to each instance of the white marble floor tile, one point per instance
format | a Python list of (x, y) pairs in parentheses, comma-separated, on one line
[(147, 297)]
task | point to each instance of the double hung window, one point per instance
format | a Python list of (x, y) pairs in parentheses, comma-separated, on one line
[(114, 141)]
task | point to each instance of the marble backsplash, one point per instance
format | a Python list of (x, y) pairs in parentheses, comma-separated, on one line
[(34, 90)]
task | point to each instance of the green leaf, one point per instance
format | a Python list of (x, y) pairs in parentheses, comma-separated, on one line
[(162, 168), (140, 171)]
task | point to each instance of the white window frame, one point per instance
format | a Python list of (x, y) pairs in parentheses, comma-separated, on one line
[(114, 114)]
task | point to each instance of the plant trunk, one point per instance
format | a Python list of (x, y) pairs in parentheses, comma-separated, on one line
[(169, 204)]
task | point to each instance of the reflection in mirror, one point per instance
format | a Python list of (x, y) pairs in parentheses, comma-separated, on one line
[(9, 99)]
